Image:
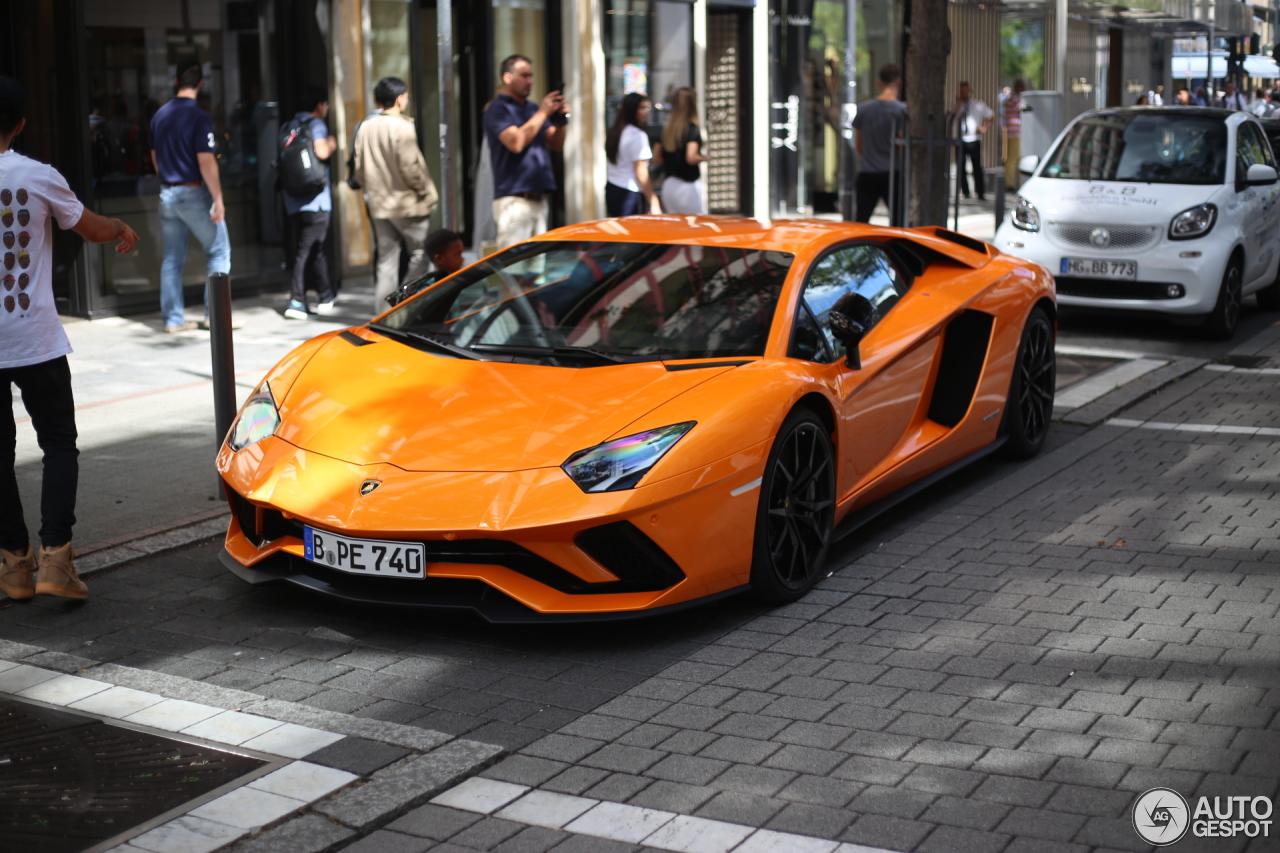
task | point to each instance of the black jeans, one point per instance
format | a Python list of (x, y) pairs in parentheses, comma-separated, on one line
[(46, 393), (312, 230), (972, 152), (871, 188), (620, 201)]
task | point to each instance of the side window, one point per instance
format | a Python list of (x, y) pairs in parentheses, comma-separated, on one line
[(856, 269), (1250, 149), (1265, 154)]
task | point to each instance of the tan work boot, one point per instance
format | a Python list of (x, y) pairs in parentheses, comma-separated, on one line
[(57, 575), (16, 574)]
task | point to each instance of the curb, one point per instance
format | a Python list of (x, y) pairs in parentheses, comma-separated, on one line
[(1094, 413)]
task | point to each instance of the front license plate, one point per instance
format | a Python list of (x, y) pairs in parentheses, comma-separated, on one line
[(1091, 268), (365, 556)]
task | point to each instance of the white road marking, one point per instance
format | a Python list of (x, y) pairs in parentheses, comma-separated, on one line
[(1220, 429), (1097, 352), (1226, 368), (1095, 386)]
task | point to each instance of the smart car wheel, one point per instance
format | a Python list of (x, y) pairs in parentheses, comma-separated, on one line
[(1030, 405), (797, 507), (1225, 316)]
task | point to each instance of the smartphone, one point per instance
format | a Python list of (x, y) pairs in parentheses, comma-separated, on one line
[(559, 87)]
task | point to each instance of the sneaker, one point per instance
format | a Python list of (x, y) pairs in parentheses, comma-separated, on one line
[(16, 574), (326, 307), (181, 327), (57, 574), (296, 311)]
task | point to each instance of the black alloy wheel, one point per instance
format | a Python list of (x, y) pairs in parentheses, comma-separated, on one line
[(1029, 408), (1225, 316), (796, 512)]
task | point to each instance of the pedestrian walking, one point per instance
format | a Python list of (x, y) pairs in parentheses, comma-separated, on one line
[(183, 147), (397, 187), (973, 117), (1011, 119), (876, 124), (1183, 98), (444, 248), (521, 137), (1262, 105), (1200, 99), (629, 190), (33, 356), (1231, 99), (680, 153), (305, 149)]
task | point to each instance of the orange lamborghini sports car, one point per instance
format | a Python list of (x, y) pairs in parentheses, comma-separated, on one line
[(630, 416)]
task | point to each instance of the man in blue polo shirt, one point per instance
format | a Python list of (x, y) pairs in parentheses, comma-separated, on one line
[(521, 137), (190, 194)]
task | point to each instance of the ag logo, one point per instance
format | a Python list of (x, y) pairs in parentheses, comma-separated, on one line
[(1100, 238), (368, 486), (1161, 816)]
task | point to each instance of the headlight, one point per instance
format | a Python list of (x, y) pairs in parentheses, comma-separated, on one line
[(258, 419), (1196, 222), (619, 464), (1025, 216)]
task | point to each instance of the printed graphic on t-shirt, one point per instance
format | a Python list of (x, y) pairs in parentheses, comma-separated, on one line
[(20, 259)]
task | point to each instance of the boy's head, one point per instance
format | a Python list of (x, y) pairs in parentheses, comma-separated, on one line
[(444, 248), (13, 105)]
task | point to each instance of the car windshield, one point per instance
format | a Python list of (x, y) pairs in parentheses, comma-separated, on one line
[(1151, 147), (581, 303)]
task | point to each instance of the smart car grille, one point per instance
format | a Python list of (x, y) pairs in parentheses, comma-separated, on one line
[(638, 561), (1126, 238), (1101, 288)]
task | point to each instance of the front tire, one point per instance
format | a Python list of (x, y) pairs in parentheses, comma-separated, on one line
[(1222, 321), (797, 510), (1029, 408)]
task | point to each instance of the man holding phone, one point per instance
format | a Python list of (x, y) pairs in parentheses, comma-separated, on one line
[(521, 137)]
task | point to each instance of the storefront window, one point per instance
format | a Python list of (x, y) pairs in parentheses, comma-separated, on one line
[(389, 47), (648, 48), (519, 26), (133, 53)]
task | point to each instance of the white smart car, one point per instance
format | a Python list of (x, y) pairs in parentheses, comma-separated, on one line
[(1169, 210)]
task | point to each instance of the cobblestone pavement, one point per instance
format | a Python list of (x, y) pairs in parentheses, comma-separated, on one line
[(1001, 666)]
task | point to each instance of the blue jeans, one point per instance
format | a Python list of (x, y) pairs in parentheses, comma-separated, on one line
[(184, 211)]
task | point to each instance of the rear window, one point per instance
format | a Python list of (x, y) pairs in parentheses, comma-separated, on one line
[(1147, 147)]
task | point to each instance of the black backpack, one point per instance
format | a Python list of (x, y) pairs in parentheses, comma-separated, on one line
[(302, 173)]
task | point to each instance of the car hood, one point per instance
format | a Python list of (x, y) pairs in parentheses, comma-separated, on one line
[(386, 402), (1113, 202)]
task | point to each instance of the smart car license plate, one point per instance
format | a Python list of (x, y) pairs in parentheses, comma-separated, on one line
[(384, 558), (1091, 268)]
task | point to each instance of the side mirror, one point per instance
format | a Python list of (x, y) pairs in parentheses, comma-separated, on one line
[(1260, 175), (1027, 165), (849, 320)]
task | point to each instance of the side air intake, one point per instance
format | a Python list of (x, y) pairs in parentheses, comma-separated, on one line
[(641, 566), (964, 351)]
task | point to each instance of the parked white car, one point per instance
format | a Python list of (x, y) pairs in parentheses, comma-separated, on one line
[(1171, 210)]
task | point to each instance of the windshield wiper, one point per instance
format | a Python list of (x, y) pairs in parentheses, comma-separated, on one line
[(567, 352), (432, 342)]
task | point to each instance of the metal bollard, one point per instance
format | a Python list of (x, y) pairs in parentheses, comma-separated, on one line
[(998, 182), (222, 350)]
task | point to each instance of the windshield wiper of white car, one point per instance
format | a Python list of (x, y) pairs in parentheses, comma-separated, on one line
[(583, 353), (421, 338)]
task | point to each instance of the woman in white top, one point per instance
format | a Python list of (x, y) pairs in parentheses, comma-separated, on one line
[(627, 146), (680, 152)]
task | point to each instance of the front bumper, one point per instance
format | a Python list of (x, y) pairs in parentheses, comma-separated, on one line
[(1159, 267), (519, 546)]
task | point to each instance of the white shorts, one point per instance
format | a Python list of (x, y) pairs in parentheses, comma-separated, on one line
[(681, 196)]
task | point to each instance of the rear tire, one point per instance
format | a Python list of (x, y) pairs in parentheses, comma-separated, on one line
[(1029, 409), (1222, 321), (797, 510)]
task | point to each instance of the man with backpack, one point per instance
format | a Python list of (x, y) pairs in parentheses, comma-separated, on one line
[(398, 188), (183, 155), (305, 147)]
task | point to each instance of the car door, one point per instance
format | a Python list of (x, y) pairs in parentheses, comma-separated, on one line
[(1255, 205), (879, 401)]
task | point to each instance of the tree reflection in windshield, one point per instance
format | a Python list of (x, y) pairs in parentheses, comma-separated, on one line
[(627, 299), (1159, 148)]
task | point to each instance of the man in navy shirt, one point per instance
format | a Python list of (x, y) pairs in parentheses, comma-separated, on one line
[(521, 137), (190, 194)]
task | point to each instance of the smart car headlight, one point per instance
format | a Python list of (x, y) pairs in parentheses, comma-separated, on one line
[(1025, 216), (258, 419), (619, 464), (1195, 222)]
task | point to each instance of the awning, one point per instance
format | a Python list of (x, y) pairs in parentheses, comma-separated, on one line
[(1193, 66)]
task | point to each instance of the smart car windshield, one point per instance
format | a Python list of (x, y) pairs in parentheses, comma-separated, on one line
[(1167, 147), (582, 303)]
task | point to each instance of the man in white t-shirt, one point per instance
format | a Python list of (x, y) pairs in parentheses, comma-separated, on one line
[(972, 118), (33, 356)]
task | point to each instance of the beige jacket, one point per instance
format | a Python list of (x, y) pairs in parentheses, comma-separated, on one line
[(392, 170)]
